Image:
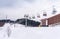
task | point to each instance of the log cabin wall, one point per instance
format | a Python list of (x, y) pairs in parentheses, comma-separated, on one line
[(44, 23), (51, 21), (54, 19)]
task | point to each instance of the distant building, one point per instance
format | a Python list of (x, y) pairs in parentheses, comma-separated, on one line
[(54, 10), (3, 21), (44, 14), (30, 23), (1, 24)]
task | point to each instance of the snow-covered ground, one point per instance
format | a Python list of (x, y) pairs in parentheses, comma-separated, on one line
[(20, 32), (55, 25)]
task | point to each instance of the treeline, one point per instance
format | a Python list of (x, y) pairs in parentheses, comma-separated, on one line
[(22, 21)]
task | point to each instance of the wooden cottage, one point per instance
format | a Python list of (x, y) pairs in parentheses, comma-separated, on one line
[(51, 21)]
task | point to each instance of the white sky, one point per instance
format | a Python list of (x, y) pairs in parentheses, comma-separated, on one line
[(17, 8)]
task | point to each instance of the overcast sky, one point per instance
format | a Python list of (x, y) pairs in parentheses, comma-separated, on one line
[(17, 8)]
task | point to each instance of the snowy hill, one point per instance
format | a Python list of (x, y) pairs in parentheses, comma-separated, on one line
[(29, 32)]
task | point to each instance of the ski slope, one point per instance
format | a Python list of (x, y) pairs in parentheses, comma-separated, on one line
[(21, 32)]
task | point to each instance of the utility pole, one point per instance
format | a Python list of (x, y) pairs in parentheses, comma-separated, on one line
[(8, 27), (26, 17), (26, 21), (6, 17)]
